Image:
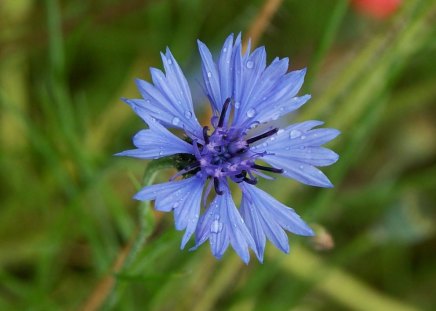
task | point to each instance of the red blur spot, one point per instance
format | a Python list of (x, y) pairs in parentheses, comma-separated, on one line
[(380, 9)]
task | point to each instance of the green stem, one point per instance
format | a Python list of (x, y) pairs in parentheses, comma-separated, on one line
[(145, 229), (144, 210)]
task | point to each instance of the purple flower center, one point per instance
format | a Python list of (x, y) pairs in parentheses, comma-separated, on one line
[(226, 153)]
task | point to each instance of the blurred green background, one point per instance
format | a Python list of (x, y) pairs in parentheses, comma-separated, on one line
[(66, 213)]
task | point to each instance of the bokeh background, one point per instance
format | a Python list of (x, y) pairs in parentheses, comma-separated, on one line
[(67, 219)]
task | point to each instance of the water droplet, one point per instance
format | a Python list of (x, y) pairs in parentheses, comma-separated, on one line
[(161, 152), (175, 204), (225, 50), (175, 121), (216, 226), (294, 134), (280, 131), (251, 112), (188, 114), (170, 62), (301, 167), (250, 64), (237, 105), (303, 137), (209, 74), (147, 101)]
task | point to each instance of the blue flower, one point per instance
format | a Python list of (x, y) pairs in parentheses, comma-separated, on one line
[(244, 92)]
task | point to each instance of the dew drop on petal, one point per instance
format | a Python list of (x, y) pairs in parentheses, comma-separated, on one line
[(175, 121), (188, 114), (170, 62), (303, 137), (216, 226), (161, 152), (237, 105), (250, 64), (294, 134), (251, 112), (209, 74)]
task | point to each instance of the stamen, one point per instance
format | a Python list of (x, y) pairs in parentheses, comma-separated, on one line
[(250, 181), (223, 112), (205, 136), (196, 149), (216, 184), (238, 178), (262, 136), (268, 169)]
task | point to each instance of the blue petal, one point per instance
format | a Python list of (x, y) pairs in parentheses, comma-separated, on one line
[(263, 93), (156, 142), (248, 72), (169, 99), (219, 77), (297, 150), (184, 197), (210, 76), (222, 225), (225, 71), (274, 96), (271, 76), (254, 225), (252, 68), (265, 216)]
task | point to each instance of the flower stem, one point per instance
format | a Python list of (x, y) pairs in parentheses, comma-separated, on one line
[(107, 291), (144, 210)]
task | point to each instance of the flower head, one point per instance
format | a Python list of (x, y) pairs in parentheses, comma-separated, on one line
[(244, 92)]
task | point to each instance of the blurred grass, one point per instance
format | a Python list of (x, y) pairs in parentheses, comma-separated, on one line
[(66, 208)]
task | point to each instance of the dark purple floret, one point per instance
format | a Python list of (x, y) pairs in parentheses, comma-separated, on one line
[(226, 153)]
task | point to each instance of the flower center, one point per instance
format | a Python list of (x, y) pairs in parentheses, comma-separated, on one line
[(226, 153)]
